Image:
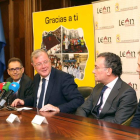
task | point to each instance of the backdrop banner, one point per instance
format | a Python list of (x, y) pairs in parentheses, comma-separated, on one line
[(117, 26), (68, 37)]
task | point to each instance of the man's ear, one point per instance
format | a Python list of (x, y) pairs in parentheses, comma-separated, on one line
[(8, 72), (23, 70), (33, 65), (109, 71)]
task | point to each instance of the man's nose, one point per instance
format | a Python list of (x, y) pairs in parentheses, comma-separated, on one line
[(138, 69), (93, 71), (15, 70), (43, 65)]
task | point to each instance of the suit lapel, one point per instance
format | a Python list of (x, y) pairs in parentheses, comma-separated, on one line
[(19, 88), (97, 96), (50, 86), (112, 96), (20, 85), (36, 86)]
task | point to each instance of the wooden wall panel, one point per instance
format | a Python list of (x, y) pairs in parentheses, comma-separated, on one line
[(17, 21), (29, 6), (19, 29), (51, 4)]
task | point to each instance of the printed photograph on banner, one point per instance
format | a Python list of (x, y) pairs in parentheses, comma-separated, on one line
[(51, 41), (56, 61), (75, 64), (73, 41)]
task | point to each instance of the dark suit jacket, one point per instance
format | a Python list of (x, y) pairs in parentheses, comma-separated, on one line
[(136, 119), (120, 104), (61, 92), (26, 87)]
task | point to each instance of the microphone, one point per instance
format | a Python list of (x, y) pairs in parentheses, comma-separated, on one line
[(1, 86), (4, 88), (13, 88)]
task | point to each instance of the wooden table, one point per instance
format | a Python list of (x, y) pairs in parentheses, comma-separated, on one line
[(64, 126)]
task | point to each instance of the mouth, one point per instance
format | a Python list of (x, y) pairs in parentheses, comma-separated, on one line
[(15, 75), (44, 70)]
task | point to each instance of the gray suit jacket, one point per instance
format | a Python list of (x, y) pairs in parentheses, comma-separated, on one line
[(120, 104)]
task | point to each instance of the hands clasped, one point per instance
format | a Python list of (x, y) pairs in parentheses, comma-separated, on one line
[(50, 107)]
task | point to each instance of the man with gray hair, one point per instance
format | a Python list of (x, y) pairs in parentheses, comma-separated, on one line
[(112, 99), (54, 90)]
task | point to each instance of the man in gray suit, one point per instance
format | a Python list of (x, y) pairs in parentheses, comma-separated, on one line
[(118, 101)]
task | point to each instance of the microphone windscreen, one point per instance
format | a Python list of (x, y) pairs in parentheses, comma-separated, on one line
[(1, 86), (14, 86), (6, 86)]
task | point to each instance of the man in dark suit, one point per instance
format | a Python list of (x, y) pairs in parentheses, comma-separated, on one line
[(136, 119), (54, 90), (16, 72), (118, 100)]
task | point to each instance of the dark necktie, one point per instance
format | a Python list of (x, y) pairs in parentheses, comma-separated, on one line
[(101, 99), (42, 93)]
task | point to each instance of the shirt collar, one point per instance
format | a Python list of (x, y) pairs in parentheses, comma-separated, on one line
[(47, 77), (112, 83), (17, 81)]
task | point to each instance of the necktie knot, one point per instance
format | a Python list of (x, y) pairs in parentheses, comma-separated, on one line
[(43, 80), (104, 88)]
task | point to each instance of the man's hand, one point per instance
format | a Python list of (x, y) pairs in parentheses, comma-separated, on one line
[(17, 102), (50, 107)]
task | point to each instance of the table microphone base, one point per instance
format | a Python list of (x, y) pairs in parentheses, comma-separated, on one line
[(6, 111)]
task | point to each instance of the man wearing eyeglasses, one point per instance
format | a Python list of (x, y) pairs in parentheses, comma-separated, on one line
[(54, 90), (16, 72), (112, 99)]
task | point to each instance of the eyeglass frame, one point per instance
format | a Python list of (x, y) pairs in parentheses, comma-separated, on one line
[(17, 69), (96, 68), (41, 63)]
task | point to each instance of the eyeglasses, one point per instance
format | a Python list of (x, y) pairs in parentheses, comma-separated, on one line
[(43, 63), (15, 69), (96, 68)]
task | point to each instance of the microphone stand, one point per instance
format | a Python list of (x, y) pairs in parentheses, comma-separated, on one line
[(1, 107), (8, 107)]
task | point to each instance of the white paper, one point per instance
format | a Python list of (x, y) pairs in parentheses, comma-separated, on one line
[(11, 118), (39, 119), (24, 108)]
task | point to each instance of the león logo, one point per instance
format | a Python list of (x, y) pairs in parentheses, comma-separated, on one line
[(128, 54), (105, 40), (133, 85), (117, 7), (96, 25), (117, 38), (127, 22), (104, 10)]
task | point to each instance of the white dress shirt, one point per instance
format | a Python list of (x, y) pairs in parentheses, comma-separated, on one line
[(40, 87), (107, 93)]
